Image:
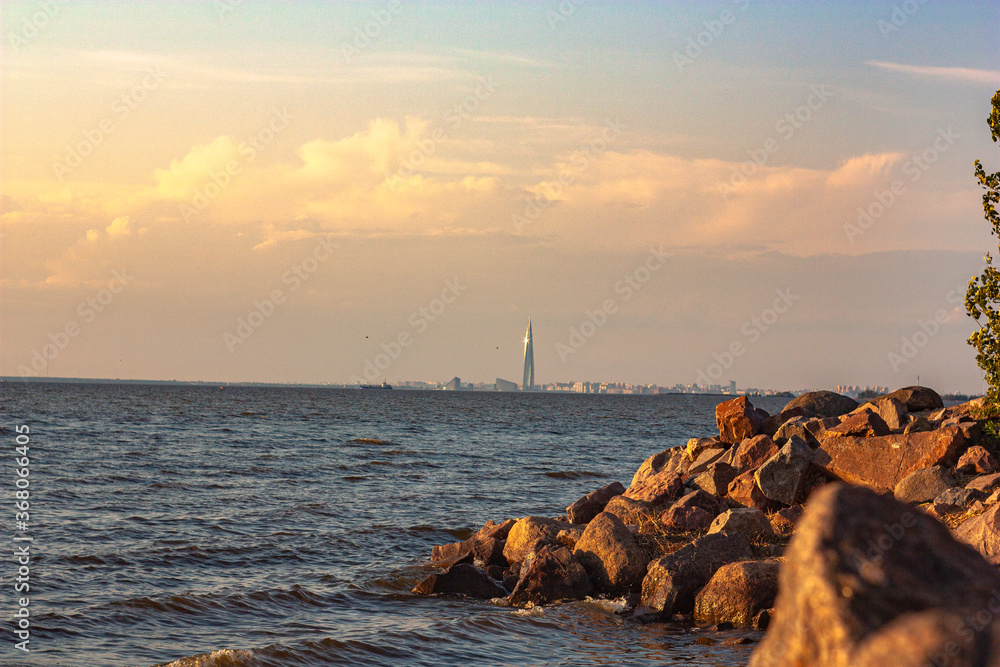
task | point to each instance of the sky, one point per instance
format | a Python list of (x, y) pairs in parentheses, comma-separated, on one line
[(780, 194)]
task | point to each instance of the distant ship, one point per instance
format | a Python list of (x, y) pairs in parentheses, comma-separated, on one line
[(384, 385)]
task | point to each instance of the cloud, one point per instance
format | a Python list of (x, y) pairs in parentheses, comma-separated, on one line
[(991, 77)]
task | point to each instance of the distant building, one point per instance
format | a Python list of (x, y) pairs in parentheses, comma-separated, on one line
[(528, 382), (454, 385), (506, 385)]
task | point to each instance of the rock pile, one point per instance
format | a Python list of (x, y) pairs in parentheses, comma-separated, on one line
[(873, 569)]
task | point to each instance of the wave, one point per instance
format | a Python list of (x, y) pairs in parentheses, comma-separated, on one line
[(572, 474)]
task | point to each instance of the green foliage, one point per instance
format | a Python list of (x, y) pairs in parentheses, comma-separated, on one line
[(982, 299)]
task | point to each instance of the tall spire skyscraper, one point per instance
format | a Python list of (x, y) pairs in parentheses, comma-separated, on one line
[(529, 361)]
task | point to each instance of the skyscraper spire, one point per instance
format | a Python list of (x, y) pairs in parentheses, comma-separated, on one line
[(529, 361)]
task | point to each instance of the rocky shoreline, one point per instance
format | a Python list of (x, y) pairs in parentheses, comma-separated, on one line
[(891, 561)]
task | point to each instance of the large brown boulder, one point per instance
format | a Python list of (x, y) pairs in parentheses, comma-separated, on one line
[(782, 478), (686, 519), (924, 485), (610, 555), (461, 579), (552, 574), (985, 483), (891, 410), (982, 533), (737, 592), (658, 488), (529, 535), (592, 504), (747, 521), (822, 404), (744, 490), (862, 422), (704, 500), (738, 419), (631, 512), (705, 458), (775, 421), (715, 480), (675, 460), (976, 461), (859, 573), (751, 453), (672, 581), (918, 399), (881, 463)]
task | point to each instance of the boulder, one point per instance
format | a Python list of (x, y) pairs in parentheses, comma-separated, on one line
[(957, 498), (918, 399), (925, 639), (865, 423), (499, 531), (705, 458), (745, 521), (489, 551), (918, 425), (822, 404), (568, 537), (610, 555), (880, 463), (783, 522), (551, 575), (631, 512), (686, 519), (656, 489), (461, 579), (782, 478), (751, 453), (891, 410), (672, 460), (529, 535), (745, 491), (976, 461), (922, 486), (982, 533), (715, 480), (738, 419), (704, 500), (672, 581), (445, 551), (775, 422), (860, 564), (592, 504), (985, 483), (738, 592)]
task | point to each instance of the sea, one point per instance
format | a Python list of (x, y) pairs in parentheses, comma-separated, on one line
[(195, 525)]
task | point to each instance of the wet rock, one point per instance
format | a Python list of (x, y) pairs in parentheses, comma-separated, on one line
[(529, 535), (982, 533), (489, 551), (738, 592), (738, 419), (782, 478), (976, 461), (751, 453), (715, 480), (763, 619), (880, 463), (744, 490), (657, 489), (918, 399), (686, 519), (822, 404), (610, 555), (985, 483), (592, 504), (922, 486), (461, 579), (859, 564), (672, 460), (551, 575), (747, 521), (865, 423), (631, 512), (672, 581)]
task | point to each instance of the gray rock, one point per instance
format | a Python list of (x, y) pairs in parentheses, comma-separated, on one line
[(924, 485), (461, 579), (822, 404), (782, 478)]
